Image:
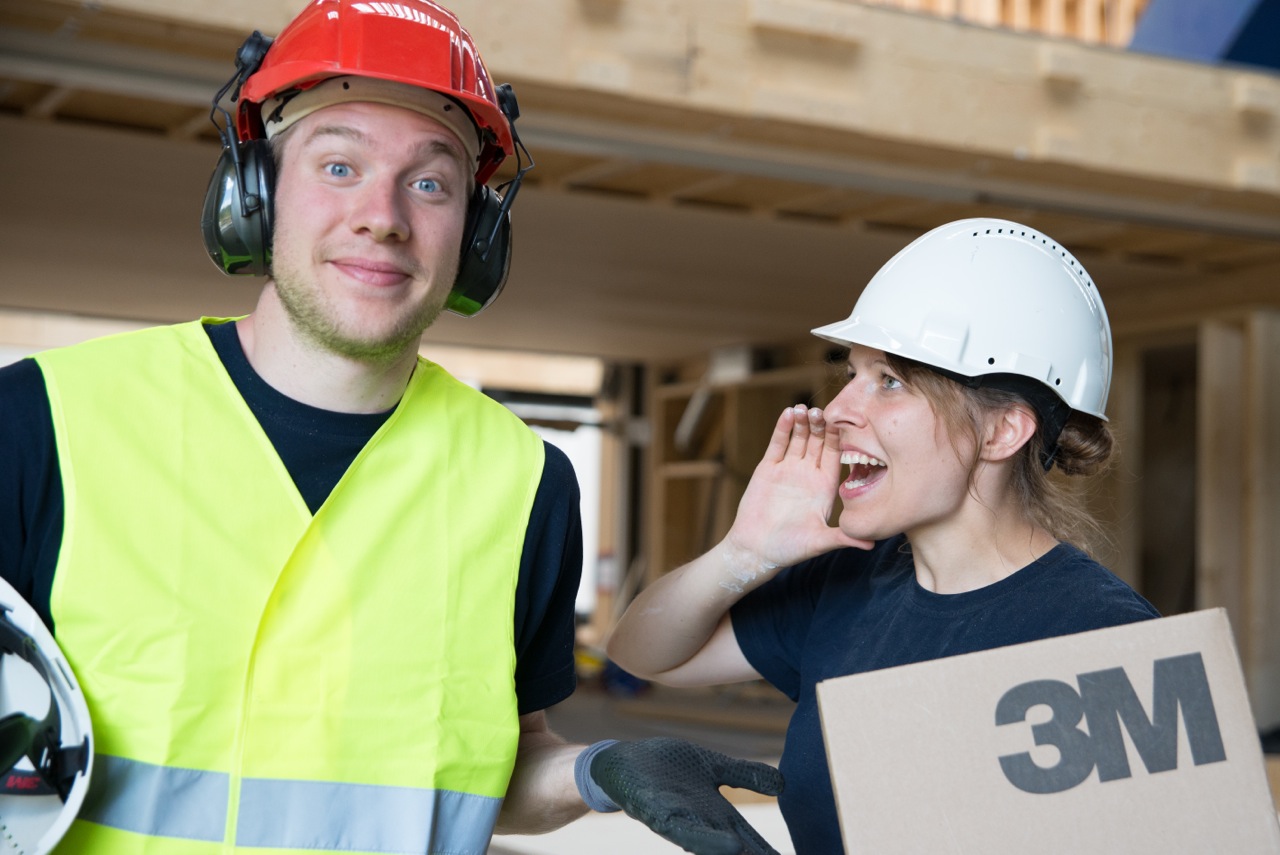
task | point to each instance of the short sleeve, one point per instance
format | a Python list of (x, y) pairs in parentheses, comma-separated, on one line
[(31, 506), (772, 623), (550, 572)]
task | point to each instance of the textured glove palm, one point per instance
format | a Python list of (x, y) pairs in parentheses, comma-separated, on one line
[(673, 787)]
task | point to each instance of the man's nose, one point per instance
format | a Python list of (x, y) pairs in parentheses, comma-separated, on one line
[(380, 210)]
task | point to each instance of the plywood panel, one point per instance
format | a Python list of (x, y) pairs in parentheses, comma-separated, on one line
[(1238, 496)]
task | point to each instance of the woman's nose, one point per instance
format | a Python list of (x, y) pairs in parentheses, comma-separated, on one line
[(849, 405)]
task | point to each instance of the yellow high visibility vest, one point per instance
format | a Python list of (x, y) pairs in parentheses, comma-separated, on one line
[(260, 678)]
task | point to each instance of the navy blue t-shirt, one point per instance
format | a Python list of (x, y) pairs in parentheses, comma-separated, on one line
[(316, 447), (852, 611)]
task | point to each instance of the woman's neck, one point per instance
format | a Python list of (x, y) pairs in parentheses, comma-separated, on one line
[(979, 546)]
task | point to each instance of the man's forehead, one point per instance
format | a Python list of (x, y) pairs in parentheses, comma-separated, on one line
[(350, 120)]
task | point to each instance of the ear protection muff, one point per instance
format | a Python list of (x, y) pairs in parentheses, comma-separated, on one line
[(486, 247), (238, 214), (486, 254), (236, 221)]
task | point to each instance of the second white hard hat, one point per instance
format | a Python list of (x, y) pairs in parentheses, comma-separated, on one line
[(983, 297)]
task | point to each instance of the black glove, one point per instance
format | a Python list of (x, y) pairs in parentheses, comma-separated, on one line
[(672, 786)]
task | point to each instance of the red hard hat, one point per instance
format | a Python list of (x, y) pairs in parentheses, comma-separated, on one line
[(415, 42)]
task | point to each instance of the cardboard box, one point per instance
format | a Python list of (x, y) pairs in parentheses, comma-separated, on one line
[(1136, 739)]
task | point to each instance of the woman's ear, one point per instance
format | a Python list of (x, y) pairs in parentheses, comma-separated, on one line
[(1008, 429)]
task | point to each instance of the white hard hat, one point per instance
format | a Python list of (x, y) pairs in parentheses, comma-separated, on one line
[(990, 300), (46, 741)]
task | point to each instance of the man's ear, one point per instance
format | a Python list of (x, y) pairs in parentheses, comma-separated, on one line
[(1008, 430)]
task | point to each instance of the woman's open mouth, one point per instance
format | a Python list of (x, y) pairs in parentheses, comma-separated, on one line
[(863, 469)]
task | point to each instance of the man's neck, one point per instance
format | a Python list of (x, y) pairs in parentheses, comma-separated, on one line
[(315, 376)]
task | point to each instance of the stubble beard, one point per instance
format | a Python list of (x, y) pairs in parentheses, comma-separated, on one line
[(319, 322)]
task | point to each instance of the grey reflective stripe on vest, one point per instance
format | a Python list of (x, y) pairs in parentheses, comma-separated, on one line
[(186, 803), (162, 801), (363, 818)]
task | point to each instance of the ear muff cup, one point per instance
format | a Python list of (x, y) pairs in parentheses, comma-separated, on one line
[(238, 216), (486, 254)]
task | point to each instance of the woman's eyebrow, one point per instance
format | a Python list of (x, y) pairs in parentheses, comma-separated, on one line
[(881, 362)]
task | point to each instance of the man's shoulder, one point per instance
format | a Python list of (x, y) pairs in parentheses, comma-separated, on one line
[(22, 390), (558, 466)]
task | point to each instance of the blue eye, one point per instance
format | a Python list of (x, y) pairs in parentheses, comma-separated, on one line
[(338, 170), (891, 382), (427, 185)]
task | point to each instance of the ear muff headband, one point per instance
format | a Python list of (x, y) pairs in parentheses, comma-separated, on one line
[(236, 221), (238, 215)]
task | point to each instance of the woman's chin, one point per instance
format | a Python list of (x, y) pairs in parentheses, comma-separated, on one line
[(861, 529)]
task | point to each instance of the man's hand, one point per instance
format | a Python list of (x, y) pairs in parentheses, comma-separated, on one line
[(673, 786)]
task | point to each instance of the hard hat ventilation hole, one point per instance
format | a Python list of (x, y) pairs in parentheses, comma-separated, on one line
[(991, 360), (346, 85), (1058, 382)]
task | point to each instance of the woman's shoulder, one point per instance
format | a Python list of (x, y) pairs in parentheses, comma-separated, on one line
[(1066, 562), (1084, 592)]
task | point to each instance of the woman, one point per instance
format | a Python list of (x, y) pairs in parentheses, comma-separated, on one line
[(979, 358)]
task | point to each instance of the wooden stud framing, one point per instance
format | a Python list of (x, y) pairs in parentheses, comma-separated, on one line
[(1238, 495)]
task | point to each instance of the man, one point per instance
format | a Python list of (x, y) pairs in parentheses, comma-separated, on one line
[(317, 592)]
